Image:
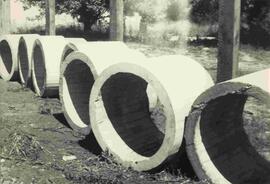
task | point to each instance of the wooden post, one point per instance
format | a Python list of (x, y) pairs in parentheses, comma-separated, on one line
[(50, 17), (229, 39), (4, 16), (116, 20)]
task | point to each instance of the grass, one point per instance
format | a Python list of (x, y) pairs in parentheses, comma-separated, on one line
[(21, 146)]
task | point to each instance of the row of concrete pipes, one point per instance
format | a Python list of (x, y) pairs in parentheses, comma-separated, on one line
[(144, 111)]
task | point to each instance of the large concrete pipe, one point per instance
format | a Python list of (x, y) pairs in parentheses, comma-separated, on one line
[(9, 57), (46, 61), (120, 117), (25, 49), (80, 45), (217, 144), (78, 73)]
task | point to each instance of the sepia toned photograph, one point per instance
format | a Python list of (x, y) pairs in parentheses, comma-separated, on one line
[(134, 91)]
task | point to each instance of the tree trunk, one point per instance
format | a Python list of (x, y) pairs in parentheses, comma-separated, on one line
[(229, 39), (4, 16), (116, 20), (87, 26), (50, 17), (143, 30)]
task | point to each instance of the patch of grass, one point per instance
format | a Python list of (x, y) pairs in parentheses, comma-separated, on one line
[(20, 145)]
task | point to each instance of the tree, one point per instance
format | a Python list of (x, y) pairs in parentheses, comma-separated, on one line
[(150, 10), (86, 11), (204, 11), (255, 18), (177, 10)]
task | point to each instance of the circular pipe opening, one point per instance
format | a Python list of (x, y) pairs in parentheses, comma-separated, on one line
[(23, 61), (39, 69), (225, 142), (76, 87), (6, 61), (126, 103)]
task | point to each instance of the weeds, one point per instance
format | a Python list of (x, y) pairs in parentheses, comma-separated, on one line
[(21, 146)]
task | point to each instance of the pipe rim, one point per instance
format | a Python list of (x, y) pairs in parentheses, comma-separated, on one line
[(127, 156), (8, 74), (39, 90), (68, 108), (197, 153), (69, 48), (25, 74)]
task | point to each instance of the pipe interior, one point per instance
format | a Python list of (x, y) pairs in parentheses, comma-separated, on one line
[(79, 81), (23, 59), (39, 67), (257, 126), (227, 143), (6, 55), (126, 103)]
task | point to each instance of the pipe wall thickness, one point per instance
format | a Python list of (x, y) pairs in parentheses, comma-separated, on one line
[(78, 73), (217, 145), (25, 50), (46, 61), (9, 57), (120, 117)]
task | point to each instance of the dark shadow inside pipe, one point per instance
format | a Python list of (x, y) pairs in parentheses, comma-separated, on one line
[(227, 142), (39, 67), (79, 80), (126, 102), (23, 59), (6, 55)]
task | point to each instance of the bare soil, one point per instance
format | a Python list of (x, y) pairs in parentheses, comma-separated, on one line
[(37, 146)]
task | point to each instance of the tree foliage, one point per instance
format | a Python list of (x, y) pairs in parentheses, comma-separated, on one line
[(255, 18), (150, 10), (86, 11)]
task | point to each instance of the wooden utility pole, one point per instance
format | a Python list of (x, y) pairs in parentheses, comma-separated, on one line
[(229, 39), (4, 16), (116, 20), (50, 17)]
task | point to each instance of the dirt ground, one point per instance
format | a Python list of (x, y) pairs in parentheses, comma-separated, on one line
[(37, 146)]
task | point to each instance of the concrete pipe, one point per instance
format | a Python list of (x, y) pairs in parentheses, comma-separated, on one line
[(9, 57), (217, 144), (120, 117), (78, 73), (25, 49), (72, 46), (46, 61)]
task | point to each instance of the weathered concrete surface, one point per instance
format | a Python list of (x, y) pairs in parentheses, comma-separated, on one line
[(9, 57), (25, 49), (79, 71), (217, 144), (46, 60), (120, 117)]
